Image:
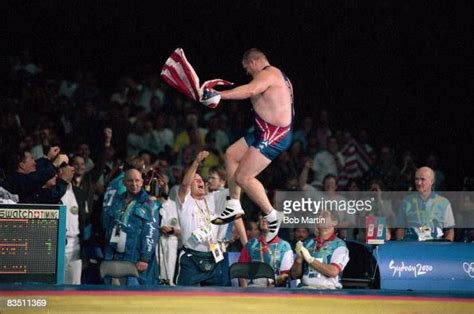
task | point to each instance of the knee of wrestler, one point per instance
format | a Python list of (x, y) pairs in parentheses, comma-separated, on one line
[(241, 179), (229, 154)]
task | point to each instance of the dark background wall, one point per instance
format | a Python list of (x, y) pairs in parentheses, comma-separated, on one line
[(403, 69)]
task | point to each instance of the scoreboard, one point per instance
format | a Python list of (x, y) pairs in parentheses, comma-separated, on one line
[(32, 242)]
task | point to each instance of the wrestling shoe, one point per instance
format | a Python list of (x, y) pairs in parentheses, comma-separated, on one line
[(274, 226), (233, 210)]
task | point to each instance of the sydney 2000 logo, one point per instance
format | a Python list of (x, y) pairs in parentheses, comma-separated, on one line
[(416, 270)]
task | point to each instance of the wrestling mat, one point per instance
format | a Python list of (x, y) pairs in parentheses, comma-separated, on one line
[(97, 299)]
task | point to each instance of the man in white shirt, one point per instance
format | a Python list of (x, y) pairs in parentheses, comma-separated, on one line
[(75, 200), (320, 261), (170, 232), (201, 261)]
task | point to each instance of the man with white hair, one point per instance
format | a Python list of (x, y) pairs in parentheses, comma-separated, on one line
[(427, 214)]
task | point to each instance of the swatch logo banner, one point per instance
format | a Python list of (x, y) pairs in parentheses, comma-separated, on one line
[(416, 270), (469, 268), (8, 213)]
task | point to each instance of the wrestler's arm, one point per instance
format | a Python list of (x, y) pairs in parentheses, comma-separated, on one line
[(261, 82)]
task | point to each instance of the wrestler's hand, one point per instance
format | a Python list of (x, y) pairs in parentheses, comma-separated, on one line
[(210, 98), (201, 156)]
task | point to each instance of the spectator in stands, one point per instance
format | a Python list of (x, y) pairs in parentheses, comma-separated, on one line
[(407, 172), (323, 131), (305, 174), (296, 155), (321, 260), (45, 141), (217, 179), (83, 180), (312, 147), (221, 140), (82, 149), (302, 133), (11, 132), (279, 170), (139, 138), (149, 90), (386, 169), (328, 161), (52, 191), (185, 157), (426, 214), (132, 228), (432, 162), (345, 221), (364, 141), (276, 253), (162, 137), (192, 134), (27, 176)]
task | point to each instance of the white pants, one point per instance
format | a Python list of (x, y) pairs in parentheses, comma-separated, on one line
[(73, 262), (168, 255)]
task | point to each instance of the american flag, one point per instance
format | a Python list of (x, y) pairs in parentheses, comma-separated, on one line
[(357, 163), (180, 75)]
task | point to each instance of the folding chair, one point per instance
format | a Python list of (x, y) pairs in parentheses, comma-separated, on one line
[(118, 271), (253, 270)]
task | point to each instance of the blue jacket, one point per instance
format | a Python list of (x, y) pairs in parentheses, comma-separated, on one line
[(140, 222), (114, 188)]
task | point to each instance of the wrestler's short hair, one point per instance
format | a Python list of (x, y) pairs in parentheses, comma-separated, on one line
[(253, 53)]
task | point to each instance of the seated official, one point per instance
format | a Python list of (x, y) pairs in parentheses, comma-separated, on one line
[(321, 260), (276, 253), (427, 214)]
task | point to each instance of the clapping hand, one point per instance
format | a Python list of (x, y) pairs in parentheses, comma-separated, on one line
[(301, 251)]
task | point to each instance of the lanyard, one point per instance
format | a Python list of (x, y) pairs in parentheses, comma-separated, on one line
[(425, 214), (273, 255), (204, 216), (125, 210)]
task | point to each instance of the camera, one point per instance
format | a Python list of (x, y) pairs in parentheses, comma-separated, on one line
[(153, 186)]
